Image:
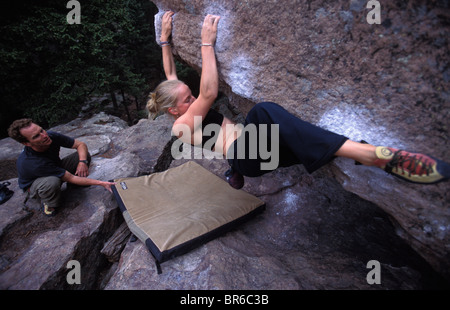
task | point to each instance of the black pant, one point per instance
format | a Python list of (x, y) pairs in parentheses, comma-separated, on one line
[(299, 142)]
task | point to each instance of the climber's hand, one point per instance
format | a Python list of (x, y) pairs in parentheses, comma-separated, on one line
[(166, 30), (209, 29)]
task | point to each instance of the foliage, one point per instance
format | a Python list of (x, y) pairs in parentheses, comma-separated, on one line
[(49, 67)]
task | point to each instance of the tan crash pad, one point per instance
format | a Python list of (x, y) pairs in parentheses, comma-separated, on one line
[(178, 209)]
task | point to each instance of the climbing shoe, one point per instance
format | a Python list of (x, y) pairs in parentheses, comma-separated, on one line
[(234, 178), (412, 167), (46, 211)]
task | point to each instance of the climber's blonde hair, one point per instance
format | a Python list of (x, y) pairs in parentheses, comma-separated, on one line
[(163, 98)]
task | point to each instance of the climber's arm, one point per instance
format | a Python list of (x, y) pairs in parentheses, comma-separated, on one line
[(168, 62), (209, 82)]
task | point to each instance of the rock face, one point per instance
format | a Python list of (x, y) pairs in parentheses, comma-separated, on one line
[(321, 60), (313, 234), (385, 83), (35, 250)]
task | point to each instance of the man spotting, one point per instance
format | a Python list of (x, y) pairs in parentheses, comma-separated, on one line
[(40, 170)]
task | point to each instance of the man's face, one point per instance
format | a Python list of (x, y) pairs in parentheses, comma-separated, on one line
[(37, 137)]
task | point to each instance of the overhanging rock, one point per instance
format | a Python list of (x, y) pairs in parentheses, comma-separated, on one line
[(322, 61)]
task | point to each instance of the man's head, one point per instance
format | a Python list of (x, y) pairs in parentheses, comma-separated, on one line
[(29, 134)]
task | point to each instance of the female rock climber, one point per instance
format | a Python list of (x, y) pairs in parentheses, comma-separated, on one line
[(298, 142)]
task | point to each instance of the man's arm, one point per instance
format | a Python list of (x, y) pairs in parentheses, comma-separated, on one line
[(82, 168), (70, 178)]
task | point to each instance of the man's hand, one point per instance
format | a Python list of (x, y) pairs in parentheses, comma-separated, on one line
[(82, 170), (107, 185)]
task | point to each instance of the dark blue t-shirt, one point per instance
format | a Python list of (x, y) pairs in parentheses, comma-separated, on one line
[(32, 165)]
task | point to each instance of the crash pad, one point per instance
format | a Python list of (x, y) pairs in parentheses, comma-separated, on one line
[(179, 209)]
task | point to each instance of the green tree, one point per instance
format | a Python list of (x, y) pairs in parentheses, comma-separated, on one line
[(49, 68)]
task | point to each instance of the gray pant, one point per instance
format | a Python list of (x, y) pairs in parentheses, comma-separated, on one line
[(48, 189)]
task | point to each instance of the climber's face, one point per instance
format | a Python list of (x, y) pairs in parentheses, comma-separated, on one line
[(184, 101)]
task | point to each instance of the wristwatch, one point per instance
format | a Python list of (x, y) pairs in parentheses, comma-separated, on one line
[(84, 161)]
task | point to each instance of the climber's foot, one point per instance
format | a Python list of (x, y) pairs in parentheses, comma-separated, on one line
[(234, 178), (412, 167)]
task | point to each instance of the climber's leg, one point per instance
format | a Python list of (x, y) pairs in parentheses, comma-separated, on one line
[(298, 141), (360, 152)]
